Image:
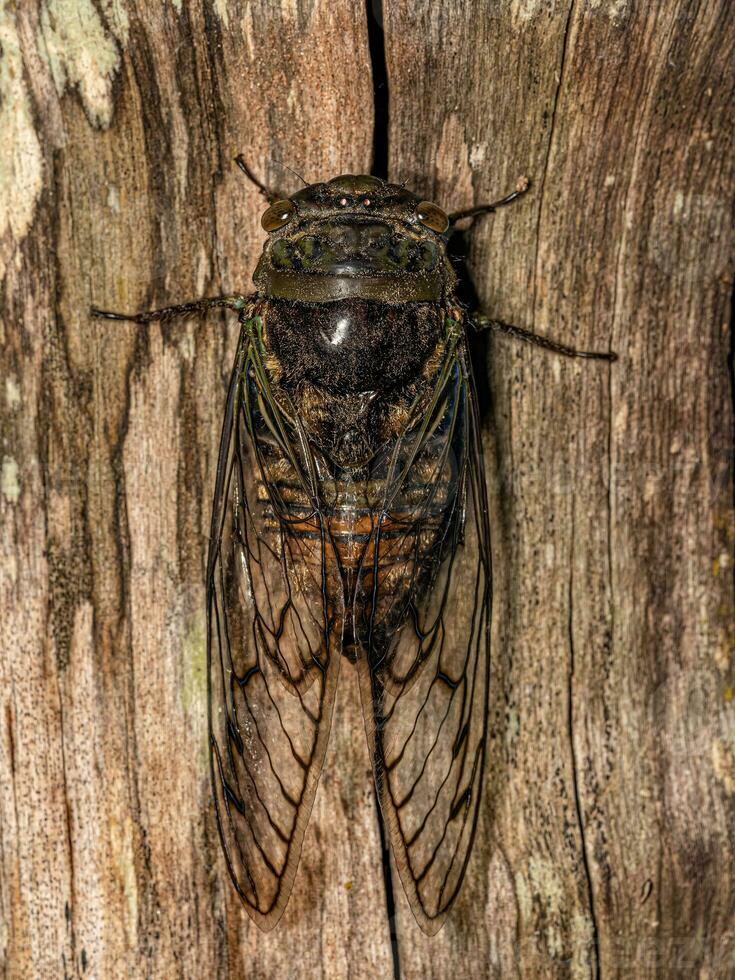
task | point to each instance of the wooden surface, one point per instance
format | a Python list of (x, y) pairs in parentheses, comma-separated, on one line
[(605, 850)]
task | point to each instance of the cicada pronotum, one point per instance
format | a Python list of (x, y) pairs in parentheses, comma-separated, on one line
[(350, 523)]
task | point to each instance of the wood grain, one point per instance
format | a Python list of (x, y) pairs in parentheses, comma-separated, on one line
[(132, 114), (610, 808), (605, 846)]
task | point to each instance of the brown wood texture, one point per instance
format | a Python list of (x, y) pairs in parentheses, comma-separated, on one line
[(610, 799), (605, 845)]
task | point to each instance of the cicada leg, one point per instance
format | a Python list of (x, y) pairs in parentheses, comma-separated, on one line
[(485, 323), (269, 194), (170, 312), (520, 189)]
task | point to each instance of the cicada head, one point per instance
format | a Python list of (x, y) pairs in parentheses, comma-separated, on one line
[(355, 236)]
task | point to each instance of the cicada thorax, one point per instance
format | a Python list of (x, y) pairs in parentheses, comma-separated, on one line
[(357, 490), (352, 369)]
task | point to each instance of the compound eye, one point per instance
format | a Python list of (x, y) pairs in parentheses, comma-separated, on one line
[(278, 215), (432, 217)]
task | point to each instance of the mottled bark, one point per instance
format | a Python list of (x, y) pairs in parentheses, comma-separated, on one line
[(610, 798), (605, 844)]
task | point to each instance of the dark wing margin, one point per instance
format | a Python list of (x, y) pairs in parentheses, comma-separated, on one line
[(423, 616), (271, 626)]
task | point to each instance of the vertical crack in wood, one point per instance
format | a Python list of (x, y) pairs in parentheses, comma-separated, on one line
[(390, 905), (575, 768), (12, 713), (731, 377), (596, 969), (381, 102), (612, 606), (542, 185), (11, 738), (69, 836), (379, 168)]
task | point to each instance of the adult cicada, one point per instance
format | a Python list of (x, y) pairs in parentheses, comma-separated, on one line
[(350, 523)]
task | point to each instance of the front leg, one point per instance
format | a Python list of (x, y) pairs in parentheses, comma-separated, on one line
[(481, 322), (522, 186), (236, 303)]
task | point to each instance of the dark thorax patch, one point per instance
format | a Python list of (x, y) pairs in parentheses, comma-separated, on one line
[(353, 370)]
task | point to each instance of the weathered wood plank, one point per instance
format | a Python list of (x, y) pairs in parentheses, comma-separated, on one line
[(121, 121), (610, 798), (604, 851)]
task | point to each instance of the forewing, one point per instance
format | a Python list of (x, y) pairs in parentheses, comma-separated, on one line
[(423, 624), (272, 619)]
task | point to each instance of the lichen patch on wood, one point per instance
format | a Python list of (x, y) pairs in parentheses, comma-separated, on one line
[(81, 54), (21, 166), (9, 480)]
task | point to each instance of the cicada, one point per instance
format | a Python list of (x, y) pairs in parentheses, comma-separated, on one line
[(350, 530)]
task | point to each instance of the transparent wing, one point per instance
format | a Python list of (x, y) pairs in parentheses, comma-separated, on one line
[(422, 621), (273, 620)]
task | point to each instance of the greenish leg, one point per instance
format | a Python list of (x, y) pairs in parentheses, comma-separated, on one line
[(485, 323), (236, 303)]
